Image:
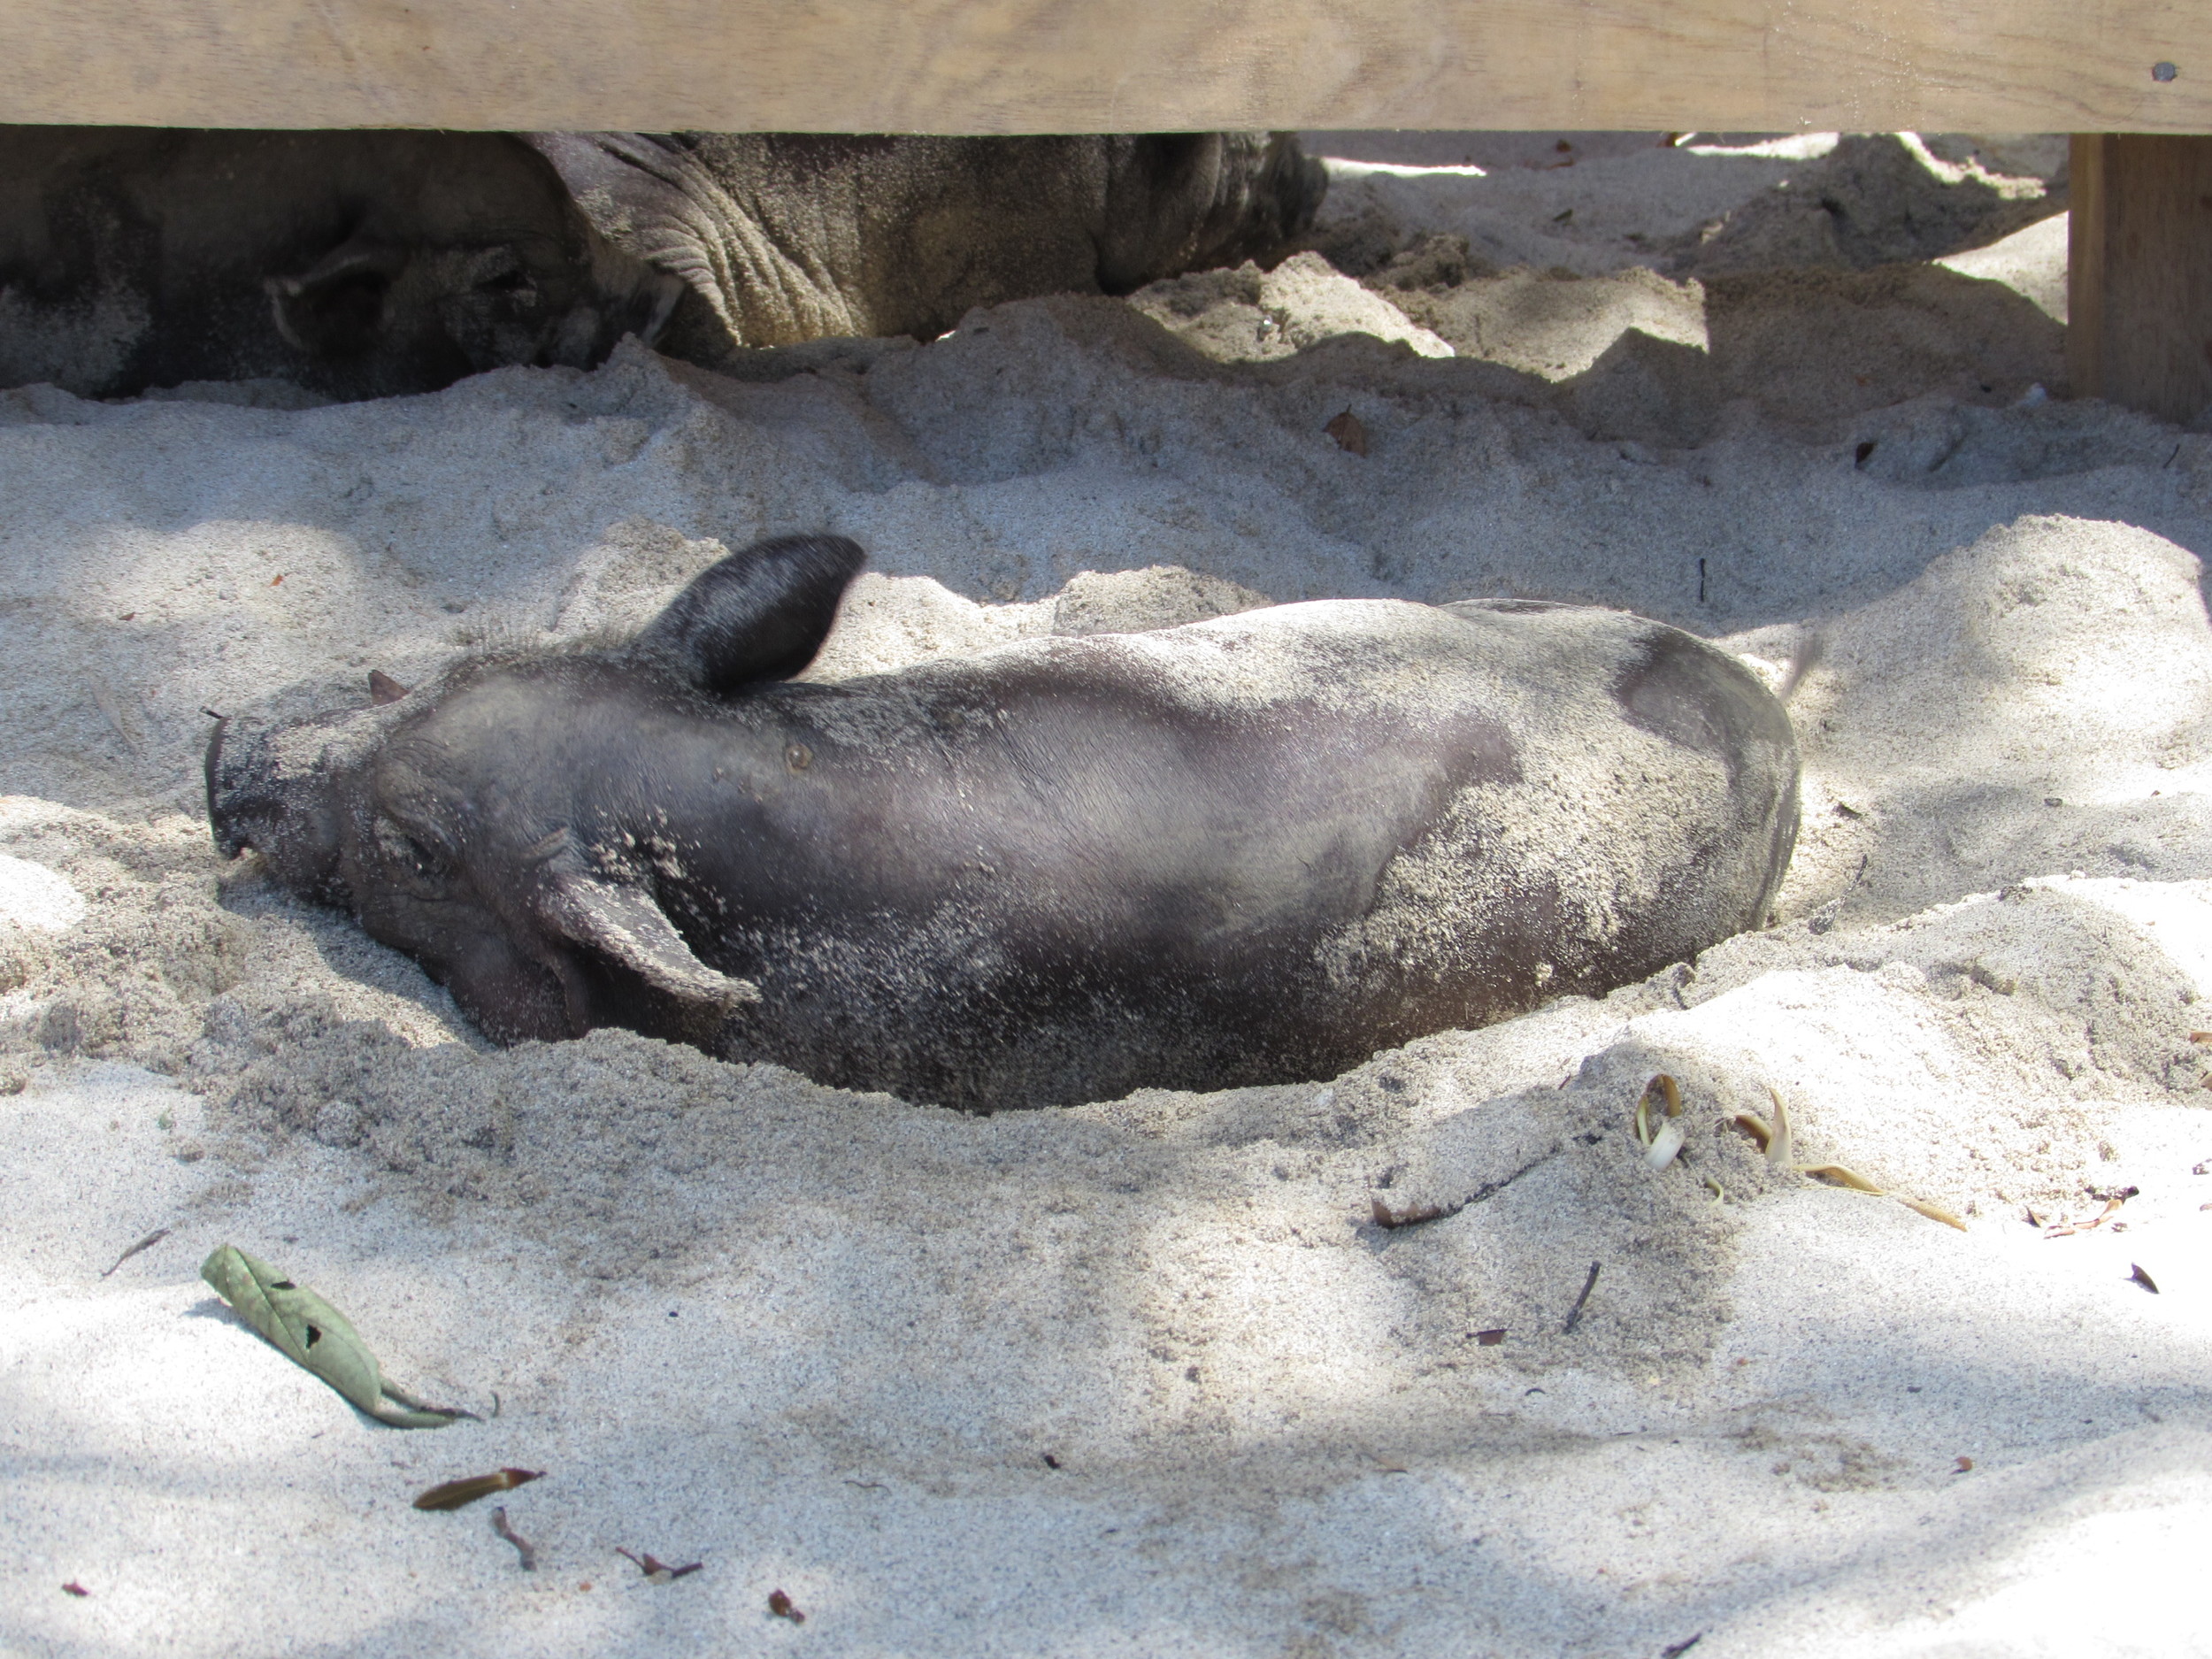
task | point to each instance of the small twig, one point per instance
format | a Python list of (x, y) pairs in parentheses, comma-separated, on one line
[(658, 1572), (1574, 1314), (2067, 1229), (523, 1546), (146, 1243)]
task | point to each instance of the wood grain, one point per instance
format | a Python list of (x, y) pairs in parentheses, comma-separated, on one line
[(1101, 66), (2139, 273)]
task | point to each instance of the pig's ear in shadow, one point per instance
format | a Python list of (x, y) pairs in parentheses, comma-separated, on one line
[(760, 614), (336, 308), (626, 926)]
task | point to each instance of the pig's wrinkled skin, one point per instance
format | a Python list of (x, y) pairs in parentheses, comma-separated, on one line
[(1253, 849), (371, 264)]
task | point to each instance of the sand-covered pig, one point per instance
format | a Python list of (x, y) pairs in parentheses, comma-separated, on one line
[(1256, 849)]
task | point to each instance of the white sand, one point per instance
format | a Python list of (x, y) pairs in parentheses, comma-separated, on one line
[(826, 1343)]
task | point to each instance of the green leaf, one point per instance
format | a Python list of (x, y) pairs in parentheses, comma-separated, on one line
[(315, 1336)]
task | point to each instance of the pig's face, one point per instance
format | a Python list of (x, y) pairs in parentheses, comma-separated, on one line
[(471, 823), (412, 818)]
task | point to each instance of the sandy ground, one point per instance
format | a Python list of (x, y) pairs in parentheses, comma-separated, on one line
[(1143, 1377)]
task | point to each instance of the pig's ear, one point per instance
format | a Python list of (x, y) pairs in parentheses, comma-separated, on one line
[(336, 308), (624, 924), (759, 614)]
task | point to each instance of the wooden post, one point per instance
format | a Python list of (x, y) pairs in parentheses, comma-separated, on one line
[(2139, 280)]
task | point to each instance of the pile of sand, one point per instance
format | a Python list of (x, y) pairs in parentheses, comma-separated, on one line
[(1145, 1376)]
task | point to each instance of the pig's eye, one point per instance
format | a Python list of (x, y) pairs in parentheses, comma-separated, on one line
[(419, 864)]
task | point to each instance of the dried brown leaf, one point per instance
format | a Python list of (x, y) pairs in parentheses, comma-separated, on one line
[(1411, 1215), (1934, 1212), (454, 1495), (1836, 1175), (1349, 433)]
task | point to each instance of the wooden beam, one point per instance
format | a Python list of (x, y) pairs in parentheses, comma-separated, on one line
[(2138, 274), (1102, 66)]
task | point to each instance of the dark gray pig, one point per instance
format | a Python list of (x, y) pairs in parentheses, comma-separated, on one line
[(367, 264), (1252, 849)]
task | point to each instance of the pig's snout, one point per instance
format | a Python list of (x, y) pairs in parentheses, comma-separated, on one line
[(278, 804)]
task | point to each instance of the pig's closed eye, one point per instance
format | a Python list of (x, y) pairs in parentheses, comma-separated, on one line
[(421, 866)]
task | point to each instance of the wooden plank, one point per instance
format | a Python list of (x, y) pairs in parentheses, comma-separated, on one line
[(2138, 298), (1101, 66)]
